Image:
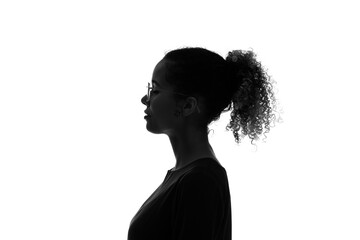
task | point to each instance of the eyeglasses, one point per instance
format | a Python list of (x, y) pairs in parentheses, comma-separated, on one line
[(157, 88)]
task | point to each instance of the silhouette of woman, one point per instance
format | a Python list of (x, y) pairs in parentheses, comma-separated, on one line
[(191, 87)]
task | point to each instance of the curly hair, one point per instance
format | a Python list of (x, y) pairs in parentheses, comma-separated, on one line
[(238, 83)]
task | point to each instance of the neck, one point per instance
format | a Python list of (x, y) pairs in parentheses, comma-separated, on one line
[(190, 145)]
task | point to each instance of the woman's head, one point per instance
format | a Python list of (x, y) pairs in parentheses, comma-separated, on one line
[(168, 113), (215, 85)]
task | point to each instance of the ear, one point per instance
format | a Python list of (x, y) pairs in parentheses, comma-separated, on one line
[(190, 106)]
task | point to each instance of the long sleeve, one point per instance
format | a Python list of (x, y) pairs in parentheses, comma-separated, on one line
[(199, 208)]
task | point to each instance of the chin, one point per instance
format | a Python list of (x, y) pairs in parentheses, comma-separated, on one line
[(155, 130), (151, 128)]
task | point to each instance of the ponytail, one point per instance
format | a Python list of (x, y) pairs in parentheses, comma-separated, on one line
[(252, 100)]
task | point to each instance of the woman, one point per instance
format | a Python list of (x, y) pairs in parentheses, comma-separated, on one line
[(191, 87)]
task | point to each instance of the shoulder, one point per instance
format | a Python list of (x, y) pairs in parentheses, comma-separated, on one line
[(207, 174)]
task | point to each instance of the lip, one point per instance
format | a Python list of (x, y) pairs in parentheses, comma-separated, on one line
[(147, 113)]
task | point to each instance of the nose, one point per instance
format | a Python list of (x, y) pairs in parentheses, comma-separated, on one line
[(144, 100)]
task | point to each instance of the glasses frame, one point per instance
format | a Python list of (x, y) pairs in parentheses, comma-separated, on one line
[(168, 91)]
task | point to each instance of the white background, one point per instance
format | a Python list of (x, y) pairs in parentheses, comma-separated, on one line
[(76, 160)]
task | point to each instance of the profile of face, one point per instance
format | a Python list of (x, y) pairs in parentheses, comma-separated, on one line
[(162, 105)]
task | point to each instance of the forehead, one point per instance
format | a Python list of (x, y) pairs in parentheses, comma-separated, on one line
[(159, 74)]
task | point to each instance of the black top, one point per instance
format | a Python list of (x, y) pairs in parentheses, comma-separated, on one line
[(191, 203)]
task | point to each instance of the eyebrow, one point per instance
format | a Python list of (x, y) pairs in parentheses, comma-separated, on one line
[(153, 81)]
